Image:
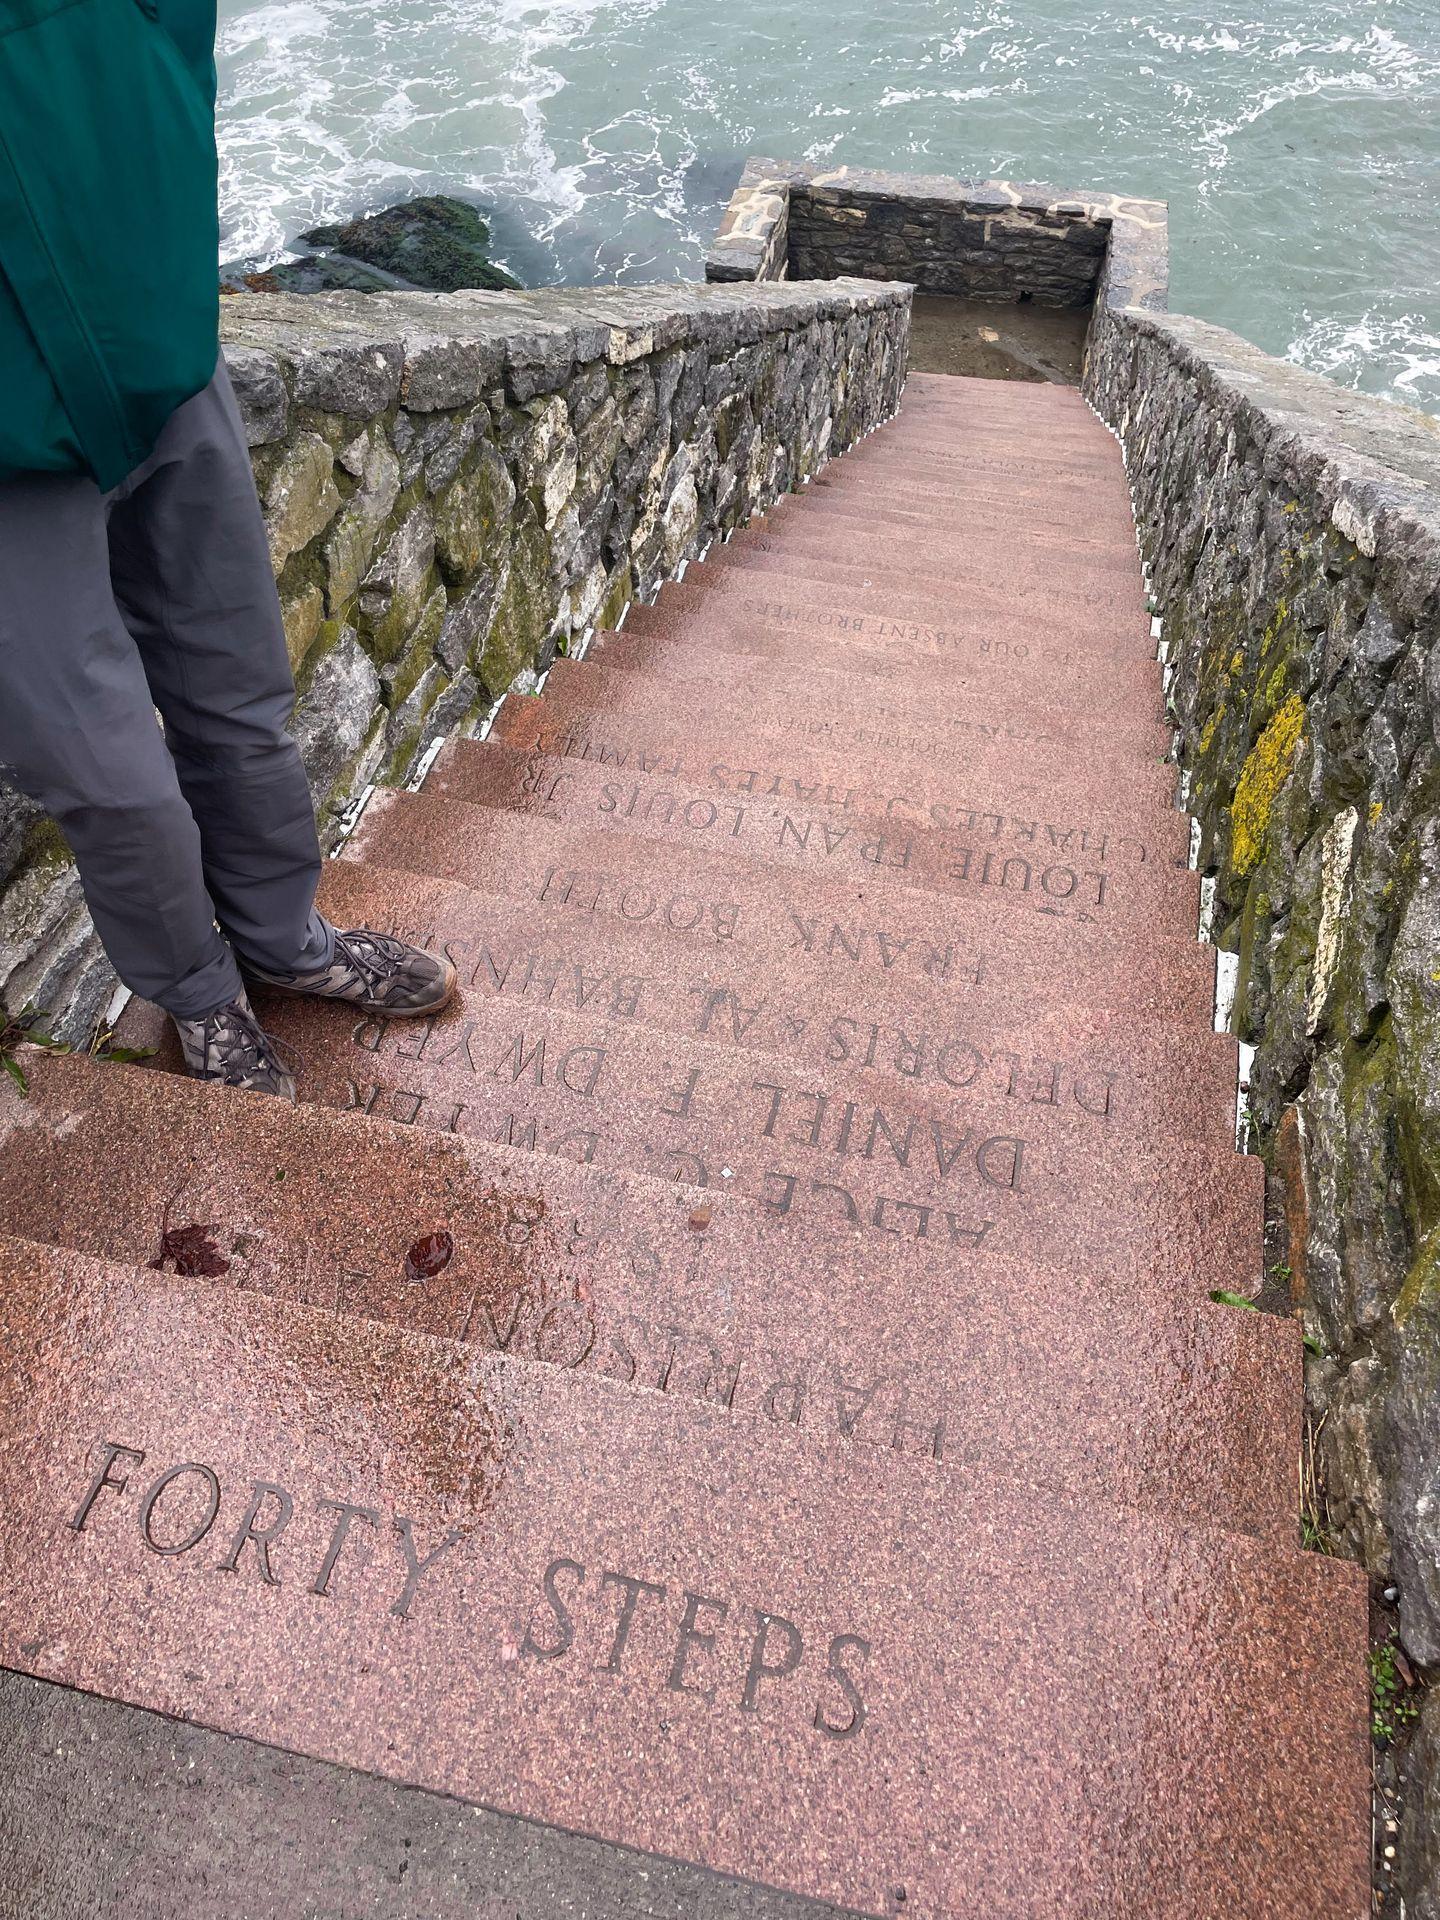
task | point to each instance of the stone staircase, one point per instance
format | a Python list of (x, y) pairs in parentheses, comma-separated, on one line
[(739, 1398)]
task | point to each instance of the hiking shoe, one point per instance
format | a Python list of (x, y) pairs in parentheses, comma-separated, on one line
[(376, 973), (232, 1047)]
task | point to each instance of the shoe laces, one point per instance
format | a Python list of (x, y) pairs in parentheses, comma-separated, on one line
[(240, 1043), (374, 956)]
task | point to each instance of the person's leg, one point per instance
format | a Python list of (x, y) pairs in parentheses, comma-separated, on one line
[(78, 734), (190, 568)]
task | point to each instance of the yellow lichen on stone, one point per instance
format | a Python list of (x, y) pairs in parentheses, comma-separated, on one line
[(1261, 778), (1377, 807)]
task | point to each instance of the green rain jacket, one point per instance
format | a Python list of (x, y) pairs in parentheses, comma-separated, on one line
[(109, 301)]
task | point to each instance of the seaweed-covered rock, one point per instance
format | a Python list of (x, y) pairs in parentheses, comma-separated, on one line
[(435, 242)]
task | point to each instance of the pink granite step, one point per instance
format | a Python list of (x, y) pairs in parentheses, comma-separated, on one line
[(721, 904), (877, 736), (1032, 1177), (1119, 810), (960, 1035), (1047, 578), (972, 437), (788, 1662), (807, 526), (889, 855), (815, 507), (948, 1356), (963, 465), (908, 486), (1003, 457), (917, 504), (803, 664), (1083, 603), (970, 440), (1032, 407), (1091, 624), (1033, 488)]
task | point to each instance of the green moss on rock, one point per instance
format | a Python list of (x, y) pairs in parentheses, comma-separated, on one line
[(524, 613)]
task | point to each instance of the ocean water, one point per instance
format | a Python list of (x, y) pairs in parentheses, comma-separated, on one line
[(1297, 141)]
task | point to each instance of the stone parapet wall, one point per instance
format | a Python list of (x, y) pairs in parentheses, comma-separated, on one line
[(1293, 533), (983, 239), (458, 485)]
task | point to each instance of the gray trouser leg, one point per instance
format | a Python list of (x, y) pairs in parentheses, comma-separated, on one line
[(160, 594)]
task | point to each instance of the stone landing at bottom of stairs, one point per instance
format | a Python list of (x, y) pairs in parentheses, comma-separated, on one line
[(730, 1418)]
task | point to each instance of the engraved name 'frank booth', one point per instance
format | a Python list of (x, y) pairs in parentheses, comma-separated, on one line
[(866, 948)]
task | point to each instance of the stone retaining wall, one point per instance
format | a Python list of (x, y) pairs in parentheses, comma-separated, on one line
[(457, 484), (984, 239), (1293, 533)]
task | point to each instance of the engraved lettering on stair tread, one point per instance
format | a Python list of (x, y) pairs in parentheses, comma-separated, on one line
[(917, 809), (662, 1635), (955, 1060)]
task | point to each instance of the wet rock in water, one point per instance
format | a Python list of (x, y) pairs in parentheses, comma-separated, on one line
[(313, 273), (434, 242)]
